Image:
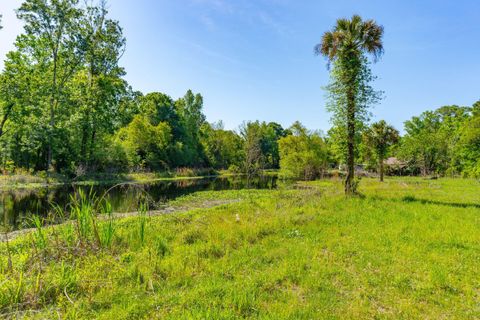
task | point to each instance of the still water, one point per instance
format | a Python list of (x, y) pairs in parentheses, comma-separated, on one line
[(18, 206)]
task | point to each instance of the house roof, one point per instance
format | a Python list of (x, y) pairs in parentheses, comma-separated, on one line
[(392, 161)]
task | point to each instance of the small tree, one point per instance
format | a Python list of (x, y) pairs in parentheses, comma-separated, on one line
[(346, 46), (379, 138), (303, 154), (254, 157)]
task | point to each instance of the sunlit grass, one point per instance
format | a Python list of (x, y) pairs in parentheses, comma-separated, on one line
[(408, 249)]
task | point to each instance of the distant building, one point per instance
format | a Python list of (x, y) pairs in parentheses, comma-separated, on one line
[(394, 162), (394, 166)]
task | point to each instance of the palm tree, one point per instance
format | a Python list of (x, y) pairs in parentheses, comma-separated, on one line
[(380, 137), (347, 43)]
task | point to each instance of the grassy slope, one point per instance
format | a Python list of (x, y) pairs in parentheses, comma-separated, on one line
[(409, 250)]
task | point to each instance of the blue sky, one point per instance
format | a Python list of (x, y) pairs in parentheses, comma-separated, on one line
[(253, 59)]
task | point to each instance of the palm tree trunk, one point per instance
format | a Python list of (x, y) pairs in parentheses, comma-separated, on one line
[(349, 187), (381, 169)]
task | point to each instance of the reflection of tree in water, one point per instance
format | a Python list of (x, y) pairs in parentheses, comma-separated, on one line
[(17, 207)]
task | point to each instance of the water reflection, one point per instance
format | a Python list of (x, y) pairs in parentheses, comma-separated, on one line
[(18, 206)]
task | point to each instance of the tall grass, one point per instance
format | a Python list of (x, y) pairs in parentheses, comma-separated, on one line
[(142, 222), (108, 227), (40, 240), (83, 212)]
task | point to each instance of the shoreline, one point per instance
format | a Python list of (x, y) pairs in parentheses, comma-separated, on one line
[(166, 209), (9, 184)]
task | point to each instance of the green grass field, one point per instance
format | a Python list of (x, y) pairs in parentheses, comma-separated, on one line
[(408, 249)]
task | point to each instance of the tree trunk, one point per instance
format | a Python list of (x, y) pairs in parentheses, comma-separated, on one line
[(92, 144), (52, 113), (381, 169), (8, 110), (83, 147), (349, 183)]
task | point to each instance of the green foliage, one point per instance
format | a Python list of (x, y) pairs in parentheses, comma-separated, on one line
[(303, 154), (379, 138), (432, 140), (467, 150), (261, 146), (223, 148), (144, 144), (350, 93)]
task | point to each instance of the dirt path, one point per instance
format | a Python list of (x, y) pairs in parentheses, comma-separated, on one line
[(166, 210)]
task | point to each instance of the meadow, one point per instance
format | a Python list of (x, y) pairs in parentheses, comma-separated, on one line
[(408, 248)]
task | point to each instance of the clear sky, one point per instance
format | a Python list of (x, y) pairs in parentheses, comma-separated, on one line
[(253, 59)]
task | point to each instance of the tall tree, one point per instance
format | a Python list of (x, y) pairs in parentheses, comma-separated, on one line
[(424, 146), (189, 109), (346, 46), (468, 147), (52, 28), (379, 137), (223, 148), (99, 84), (254, 157)]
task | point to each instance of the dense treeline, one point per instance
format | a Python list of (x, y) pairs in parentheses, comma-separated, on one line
[(445, 141), (65, 107)]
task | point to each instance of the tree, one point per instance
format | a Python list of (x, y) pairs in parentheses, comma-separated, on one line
[(254, 158), (476, 109), (303, 154), (145, 145), (432, 140), (346, 46), (468, 148), (379, 137), (189, 109), (99, 85), (223, 148), (51, 28), (423, 146), (271, 133)]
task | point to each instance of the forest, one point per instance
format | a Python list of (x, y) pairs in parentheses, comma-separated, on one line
[(66, 108)]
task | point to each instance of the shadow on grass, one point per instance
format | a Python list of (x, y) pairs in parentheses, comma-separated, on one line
[(413, 199), (441, 203)]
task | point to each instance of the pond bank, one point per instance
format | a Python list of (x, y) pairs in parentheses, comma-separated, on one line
[(121, 215), (27, 181), (19, 206)]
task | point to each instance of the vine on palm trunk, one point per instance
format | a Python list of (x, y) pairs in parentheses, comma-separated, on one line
[(350, 94)]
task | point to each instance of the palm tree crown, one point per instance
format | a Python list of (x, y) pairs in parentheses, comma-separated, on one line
[(381, 135), (352, 36)]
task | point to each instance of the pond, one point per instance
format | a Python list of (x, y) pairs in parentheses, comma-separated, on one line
[(17, 207)]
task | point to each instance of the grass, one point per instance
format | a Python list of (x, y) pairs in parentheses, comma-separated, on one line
[(408, 249)]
